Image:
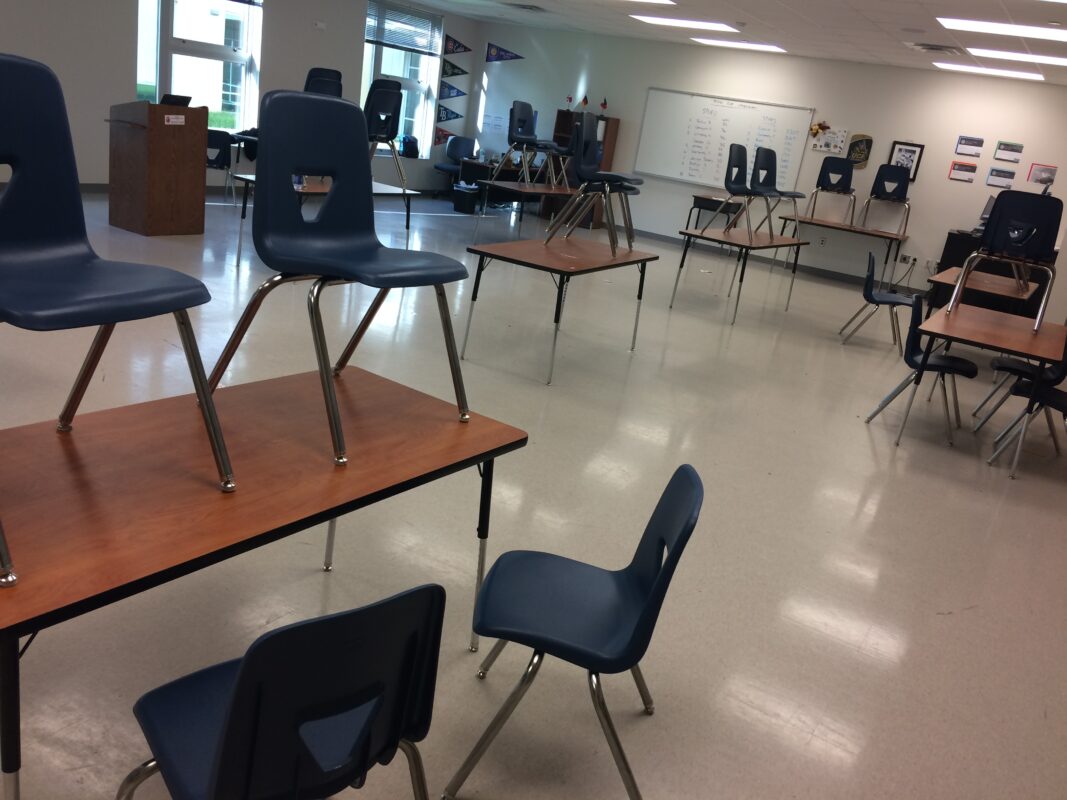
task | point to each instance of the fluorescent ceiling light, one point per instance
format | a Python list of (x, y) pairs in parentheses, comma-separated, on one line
[(686, 23), (1000, 73), (1004, 29), (1029, 58), (766, 48), (671, 2)]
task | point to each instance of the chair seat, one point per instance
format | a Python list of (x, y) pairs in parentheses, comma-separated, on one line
[(450, 169), (952, 365), (848, 191), (889, 198), (78, 292), (891, 298), (792, 195), (380, 267), (756, 191), (617, 177), (574, 611), (1014, 366)]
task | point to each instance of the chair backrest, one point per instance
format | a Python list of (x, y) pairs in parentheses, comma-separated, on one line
[(913, 351), (219, 142), (302, 692), (291, 143), (835, 175), (1023, 225), (522, 126), (327, 86), (765, 169), (324, 73), (459, 147), (660, 548), (891, 183), (585, 147), (382, 110), (736, 180), (868, 281), (41, 208)]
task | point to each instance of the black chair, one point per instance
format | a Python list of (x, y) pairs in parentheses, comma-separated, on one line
[(765, 184), (457, 148), (1022, 231), (219, 157), (50, 277), (877, 299), (382, 109), (1008, 368), (835, 177), (595, 186), (597, 619), (307, 711), (340, 244), (890, 186), (939, 364), (522, 139), (323, 81), (737, 186)]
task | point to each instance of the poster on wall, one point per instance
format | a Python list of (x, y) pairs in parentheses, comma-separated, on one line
[(859, 149), (494, 53), (962, 171), (907, 154), (453, 46), (1008, 151), (832, 140), (1000, 177), (447, 114), (440, 135), (1044, 174), (448, 91), (450, 70), (970, 146)]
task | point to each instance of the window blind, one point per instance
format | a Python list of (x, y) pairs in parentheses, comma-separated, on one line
[(404, 28)]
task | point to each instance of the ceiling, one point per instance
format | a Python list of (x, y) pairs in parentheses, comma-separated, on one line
[(868, 31)]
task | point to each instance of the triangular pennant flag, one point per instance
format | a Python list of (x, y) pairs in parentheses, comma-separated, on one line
[(494, 53), (446, 114), (440, 136), (450, 70), (448, 91), (452, 46)]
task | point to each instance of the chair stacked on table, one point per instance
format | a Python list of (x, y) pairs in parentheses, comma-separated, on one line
[(890, 186), (835, 178), (522, 139), (323, 80), (764, 184), (382, 110)]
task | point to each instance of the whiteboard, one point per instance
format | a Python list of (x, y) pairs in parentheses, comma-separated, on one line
[(687, 137)]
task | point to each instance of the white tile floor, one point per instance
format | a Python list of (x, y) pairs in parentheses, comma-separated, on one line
[(850, 620)]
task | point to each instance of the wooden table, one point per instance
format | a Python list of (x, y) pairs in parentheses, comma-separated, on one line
[(715, 203), (123, 504), (745, 245), (888, 237), (564, 258), (523, 190), (987, 283), (317, 186)]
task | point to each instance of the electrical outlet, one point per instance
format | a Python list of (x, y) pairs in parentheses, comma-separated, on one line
[(822, 241), (904, 259)]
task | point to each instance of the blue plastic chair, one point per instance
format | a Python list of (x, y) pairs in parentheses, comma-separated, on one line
[(340, 244), (522, 139), (382, 111), (219, 157), (835, 177), (890, 186), (457, 148), (50, 277), (597, 619), (939, 365), (307, 711), (736, 185), (765, 184), (873, 297), (324, 81)]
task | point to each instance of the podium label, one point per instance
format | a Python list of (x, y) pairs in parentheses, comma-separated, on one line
[(174, 119)]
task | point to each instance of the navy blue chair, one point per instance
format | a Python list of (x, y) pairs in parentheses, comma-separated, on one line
[(736, 185), (765, 184), (457, 148), (382, 110), (1022, 231), (939, 365), (835, 177), (597, 619), (890, 186), (522, 139), (340, 244), (50, 277), (324, 81), (219, 157), (307, 711), (877, 299), (595, 186)]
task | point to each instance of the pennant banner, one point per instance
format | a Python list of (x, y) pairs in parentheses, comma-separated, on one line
[(494, 53), (448, 91), (440, 135), (450, 70), (452, 46), (447, 114)]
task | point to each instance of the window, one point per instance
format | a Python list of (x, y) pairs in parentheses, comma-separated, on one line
[(405, 44), (207, 49)]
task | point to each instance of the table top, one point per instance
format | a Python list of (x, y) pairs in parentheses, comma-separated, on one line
[(996, 330), (562, 256), (844, 226), (129, 499), (317, 186), (1000, 285), (738, 237), (536, 189)]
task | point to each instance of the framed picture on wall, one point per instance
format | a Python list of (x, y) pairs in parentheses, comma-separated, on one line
[(907, 154)]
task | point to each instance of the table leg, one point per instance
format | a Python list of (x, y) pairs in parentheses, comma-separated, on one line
[(561, 296), (484, 504), (482, 263), (914, 389), (10, 737), (640, 295), (331, 535), (244, 200), (733, 275), (481, 216), (681, 264), (793, 279), (740, 281)]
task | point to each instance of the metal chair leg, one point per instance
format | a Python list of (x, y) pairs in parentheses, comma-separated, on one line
[(564, 213), (862, 323), (1052, 430), (642, 689), (331, 536), (490, 659), (329, 395), (944, 404), (850, 319), (889, 398), (85, 376), (955, 401), (138, 776), (899, 336), (587, 204), (1010, 427), (361, 330), (418, 773), (1006, 438), (453, 356), (907, 411), (1019, 445), (996, 407), (996, 388), (494, 726), (614, 744)]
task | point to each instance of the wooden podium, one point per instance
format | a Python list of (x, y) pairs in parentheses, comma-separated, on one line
[(156, 173)]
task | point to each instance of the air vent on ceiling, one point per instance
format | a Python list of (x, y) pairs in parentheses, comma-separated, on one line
[(527, 7), (940, 49)]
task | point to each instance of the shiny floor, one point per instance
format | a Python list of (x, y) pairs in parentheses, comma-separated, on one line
[(851, 620)]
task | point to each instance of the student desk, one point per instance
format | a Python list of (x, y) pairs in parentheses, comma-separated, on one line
[(710, 202), (888, 237), (314, 186), (124, 503), (523, 190), (563, 258), (740, 240), (986, 283)]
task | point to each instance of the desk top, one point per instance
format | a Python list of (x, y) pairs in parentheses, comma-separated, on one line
[(996, 330), (1000, 285), (562, 256), (738, 237), (844, 226), (318, 186), (536, 189), (129, 499)]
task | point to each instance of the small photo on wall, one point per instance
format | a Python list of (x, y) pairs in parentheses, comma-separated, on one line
[(1009, 151), (970, 146), (907, 154), (962, 171), (1001, 178), (1044, 174)]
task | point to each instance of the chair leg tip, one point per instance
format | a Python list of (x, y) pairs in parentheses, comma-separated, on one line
[(481, 674), (340, 460), (64, 427), (473, 648), (228, 485), (464, 416), (650, 710)]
